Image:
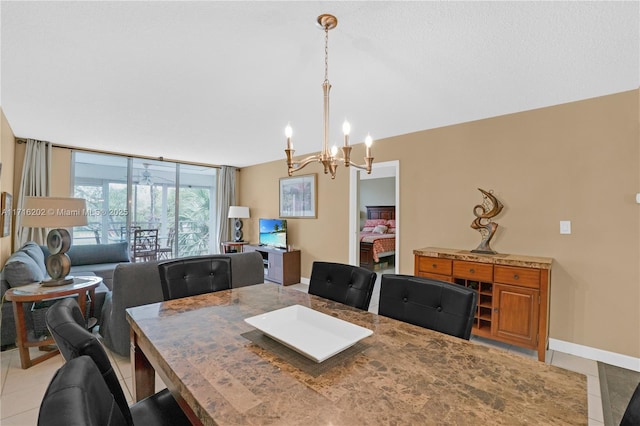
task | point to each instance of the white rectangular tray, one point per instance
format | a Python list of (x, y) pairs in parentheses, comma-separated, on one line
[(313, 334)]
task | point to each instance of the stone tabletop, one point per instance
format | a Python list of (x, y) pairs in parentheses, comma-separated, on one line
[(497, 259), (405, 375)]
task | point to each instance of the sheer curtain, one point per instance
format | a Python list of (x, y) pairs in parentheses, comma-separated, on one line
[(35, 181), (226, 197)]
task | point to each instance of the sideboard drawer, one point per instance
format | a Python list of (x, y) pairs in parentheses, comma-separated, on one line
[(524, 277), (434, 265), (473, 271)]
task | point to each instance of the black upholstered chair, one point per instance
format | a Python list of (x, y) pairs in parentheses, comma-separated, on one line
[(197, 275), (78, 396), (437, 305), (66, 324), (346, 284), (631, 415)]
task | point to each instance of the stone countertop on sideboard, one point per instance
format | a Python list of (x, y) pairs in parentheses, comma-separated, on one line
[(496, 259)]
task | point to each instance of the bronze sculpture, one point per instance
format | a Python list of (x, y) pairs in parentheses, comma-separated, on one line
[(489, 208)]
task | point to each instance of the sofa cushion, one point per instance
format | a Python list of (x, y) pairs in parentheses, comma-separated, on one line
[(91, 254), (21, 269), (102, 270), (34, 251)]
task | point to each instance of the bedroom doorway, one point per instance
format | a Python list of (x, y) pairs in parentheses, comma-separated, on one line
[(362, 190)]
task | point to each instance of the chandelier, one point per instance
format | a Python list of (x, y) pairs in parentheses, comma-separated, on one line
[(327, 157)]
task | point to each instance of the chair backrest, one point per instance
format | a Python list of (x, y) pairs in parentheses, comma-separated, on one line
[(437, 305), (171, 235), (66, 324), (196, 275), (78, 396), (631, 415), (348, 284), (145, 240)]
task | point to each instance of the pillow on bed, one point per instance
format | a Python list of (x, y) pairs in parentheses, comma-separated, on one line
[(391, 223), (391, 231), (367, 229), (380, 229), (375, 222)]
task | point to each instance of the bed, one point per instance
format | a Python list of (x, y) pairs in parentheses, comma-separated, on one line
[(377, 236)]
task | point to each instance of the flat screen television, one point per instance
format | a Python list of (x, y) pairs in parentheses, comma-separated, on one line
[(273, 233)]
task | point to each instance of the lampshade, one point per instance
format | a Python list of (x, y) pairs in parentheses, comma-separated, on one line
[(54, 212), (238, 212)]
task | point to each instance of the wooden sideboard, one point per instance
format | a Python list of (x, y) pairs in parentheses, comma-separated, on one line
[(513, 292)]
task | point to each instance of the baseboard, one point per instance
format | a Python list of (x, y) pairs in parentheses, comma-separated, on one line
[(611, 358), (304, 280)]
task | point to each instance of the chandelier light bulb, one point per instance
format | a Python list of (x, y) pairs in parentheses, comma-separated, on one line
[(368, 141), (346, 127), (334, 151), (288, 131)]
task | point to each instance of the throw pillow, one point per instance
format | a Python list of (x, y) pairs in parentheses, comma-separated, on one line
[(374, 222), (20, 270), (380, 229), (367, 229), (34, 251)]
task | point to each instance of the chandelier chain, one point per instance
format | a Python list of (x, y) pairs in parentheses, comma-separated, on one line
[(326, 54)]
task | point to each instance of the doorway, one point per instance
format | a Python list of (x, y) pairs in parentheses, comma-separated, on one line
[(385, 170)]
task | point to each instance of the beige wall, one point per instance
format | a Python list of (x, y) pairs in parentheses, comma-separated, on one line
[(578, 161), (7, 155)]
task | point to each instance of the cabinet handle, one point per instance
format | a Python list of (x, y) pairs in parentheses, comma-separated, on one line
[(473, 271), (434, 266), (516, 277), (495, 309)]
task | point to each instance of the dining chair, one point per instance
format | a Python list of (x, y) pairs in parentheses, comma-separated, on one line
[(437, 305), (77, 395), (145, 245), (347, 284), (66, 324), (195, 275), (166, 252), (631, 415)]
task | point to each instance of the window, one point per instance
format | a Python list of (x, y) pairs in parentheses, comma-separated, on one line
[(126, 193)]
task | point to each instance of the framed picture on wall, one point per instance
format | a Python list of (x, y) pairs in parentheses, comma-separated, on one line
[(298, 196), (5, 219)]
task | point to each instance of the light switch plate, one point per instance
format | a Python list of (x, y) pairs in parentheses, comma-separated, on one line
[(565, 227)]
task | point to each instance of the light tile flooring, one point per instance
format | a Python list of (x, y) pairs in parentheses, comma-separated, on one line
[(22, 390)]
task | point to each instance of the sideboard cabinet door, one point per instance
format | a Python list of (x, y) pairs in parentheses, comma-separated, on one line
[(515, 314)]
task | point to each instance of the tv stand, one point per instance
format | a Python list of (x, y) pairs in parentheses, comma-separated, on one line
[(280, 266)]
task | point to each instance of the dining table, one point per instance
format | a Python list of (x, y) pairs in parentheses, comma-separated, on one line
[(221, 370)]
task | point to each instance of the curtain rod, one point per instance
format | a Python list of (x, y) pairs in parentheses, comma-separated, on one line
[(99, 151)]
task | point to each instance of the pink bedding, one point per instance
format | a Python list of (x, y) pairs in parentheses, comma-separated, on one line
[(381, 243)]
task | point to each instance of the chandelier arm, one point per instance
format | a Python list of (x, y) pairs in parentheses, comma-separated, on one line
[(295, 166)]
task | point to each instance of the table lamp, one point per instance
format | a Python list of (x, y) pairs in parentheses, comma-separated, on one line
[(57, 213), (237, 213)]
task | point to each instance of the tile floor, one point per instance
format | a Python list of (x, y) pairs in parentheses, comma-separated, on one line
[(22, 390)]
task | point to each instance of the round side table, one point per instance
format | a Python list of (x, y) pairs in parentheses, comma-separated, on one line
[(233, 246), (36, 293)]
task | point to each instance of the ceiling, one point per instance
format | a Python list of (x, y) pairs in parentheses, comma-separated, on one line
[(217, 82)]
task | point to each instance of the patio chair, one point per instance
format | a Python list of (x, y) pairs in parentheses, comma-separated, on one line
[(145, 245)]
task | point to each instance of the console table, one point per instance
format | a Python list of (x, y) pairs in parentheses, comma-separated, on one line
[(513, 292), (35, 292), (280, 265)]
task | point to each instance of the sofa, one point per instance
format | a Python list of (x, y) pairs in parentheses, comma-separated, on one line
[(138, 284), (27, 265)]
